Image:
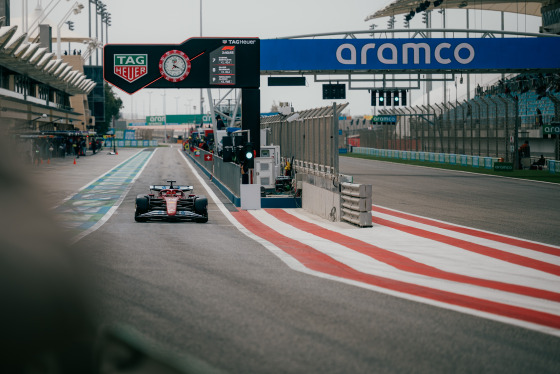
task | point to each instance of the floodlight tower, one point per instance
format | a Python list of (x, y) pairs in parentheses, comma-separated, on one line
[(31, 28)]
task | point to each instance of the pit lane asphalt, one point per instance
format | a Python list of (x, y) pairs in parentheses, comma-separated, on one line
[(208, 290)]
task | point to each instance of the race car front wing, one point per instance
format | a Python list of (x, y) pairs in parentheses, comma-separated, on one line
[(161, 214)]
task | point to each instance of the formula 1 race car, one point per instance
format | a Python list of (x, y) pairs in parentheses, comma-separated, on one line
[(169, 202)]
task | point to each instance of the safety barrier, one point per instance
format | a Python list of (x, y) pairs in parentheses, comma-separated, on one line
[(443, 158), (356, 203), (553, 166), (131, 143)]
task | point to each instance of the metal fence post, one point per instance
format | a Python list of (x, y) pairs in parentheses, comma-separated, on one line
[(439, 123), (408, 112), (469, 114), (335, 140), (506, 127), (455, 145), (479, 113), (487, 126), (496, 124)]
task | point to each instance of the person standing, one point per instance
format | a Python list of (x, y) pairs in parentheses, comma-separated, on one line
[(220, 123), (77, 148), (539, 118), (83, 146), (524, 153)]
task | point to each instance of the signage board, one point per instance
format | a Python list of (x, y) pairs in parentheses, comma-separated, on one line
[(222, 66), (551, 129), (384, 119), (178, 119), (503, 166), (195, 63), (334, 91), (493, 54), (130, 67)]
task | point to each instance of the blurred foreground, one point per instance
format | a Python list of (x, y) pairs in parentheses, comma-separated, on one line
[(47, 319)]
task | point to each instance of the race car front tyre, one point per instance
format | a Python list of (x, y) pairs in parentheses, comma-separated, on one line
[(204, 219), (142, 206), (201, 208)]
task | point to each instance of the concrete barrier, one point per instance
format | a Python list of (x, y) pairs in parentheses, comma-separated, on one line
[(442, 158), (356, 204)]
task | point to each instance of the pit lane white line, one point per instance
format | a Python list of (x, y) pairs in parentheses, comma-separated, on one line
[(93, 180), (115, 206)]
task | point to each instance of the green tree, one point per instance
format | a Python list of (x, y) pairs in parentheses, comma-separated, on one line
[(113, 105)]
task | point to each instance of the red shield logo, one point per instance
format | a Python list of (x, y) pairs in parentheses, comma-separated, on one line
[(130, 67)]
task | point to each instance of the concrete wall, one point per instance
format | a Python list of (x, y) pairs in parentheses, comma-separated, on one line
[(320, 197)]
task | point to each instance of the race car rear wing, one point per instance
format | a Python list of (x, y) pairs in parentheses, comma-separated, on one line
[(166, 187)]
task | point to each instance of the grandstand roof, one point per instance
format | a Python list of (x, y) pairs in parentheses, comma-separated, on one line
[(530, 7), (38, 63)]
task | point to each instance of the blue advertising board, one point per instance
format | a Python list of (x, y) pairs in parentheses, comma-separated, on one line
[(406, 54)]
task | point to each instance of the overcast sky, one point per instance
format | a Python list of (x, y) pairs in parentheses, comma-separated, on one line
[(173, 21)]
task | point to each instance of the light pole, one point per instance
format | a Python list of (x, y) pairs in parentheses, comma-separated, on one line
[(201, 98), (99, 9), (76, 9), (106, 17), (30, 29), (101, 13), (89, 8), (164, 118)]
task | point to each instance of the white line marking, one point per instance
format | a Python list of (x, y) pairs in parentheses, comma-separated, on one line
[(113, 209), (93, 181)]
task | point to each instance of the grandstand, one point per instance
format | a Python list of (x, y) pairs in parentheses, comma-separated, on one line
[(493, 118)]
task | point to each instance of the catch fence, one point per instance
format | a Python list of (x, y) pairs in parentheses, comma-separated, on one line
[(310, 137), (484, 126)]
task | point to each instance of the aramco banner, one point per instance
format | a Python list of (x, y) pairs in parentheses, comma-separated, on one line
[(410, 54), (178, 119)]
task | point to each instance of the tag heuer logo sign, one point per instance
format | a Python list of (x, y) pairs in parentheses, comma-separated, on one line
[(131, 67)]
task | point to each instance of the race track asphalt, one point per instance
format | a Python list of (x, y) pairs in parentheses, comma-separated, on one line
[(521, 208)]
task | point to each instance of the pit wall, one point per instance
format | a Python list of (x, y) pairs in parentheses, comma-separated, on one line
[(320, 196), (131, 143), (225, 179)]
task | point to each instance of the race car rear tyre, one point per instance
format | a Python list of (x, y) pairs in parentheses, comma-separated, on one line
[(142, 206), (201, 207)]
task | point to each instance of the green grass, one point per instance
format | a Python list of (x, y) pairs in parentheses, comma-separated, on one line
[(537, 175)]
